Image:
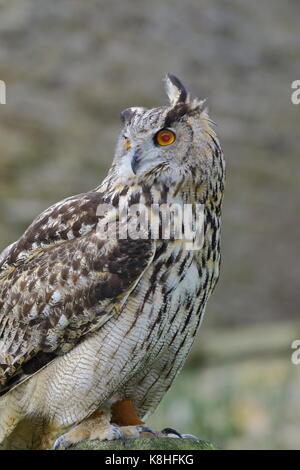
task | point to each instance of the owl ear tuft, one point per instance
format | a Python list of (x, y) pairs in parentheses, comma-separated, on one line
[(175, 90)]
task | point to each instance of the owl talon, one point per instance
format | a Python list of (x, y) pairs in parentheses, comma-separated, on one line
[(167, 431), (170, 432), (59, 441), (119, 433), (146, 429)]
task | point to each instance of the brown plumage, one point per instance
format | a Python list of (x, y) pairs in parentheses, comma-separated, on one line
[(90, 324)]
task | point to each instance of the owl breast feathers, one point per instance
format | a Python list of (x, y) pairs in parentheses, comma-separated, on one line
[(130, 305)]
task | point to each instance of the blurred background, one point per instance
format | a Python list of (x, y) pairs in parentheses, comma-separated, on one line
[(71, 67)]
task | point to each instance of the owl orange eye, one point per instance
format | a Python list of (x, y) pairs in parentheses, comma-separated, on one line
[(127, 143), (165, 137)]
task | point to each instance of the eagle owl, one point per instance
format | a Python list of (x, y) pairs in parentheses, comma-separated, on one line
[(93, 329)]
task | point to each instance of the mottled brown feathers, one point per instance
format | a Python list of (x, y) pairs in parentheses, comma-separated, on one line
[(51, 297)]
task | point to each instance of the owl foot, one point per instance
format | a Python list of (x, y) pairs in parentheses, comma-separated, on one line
[(170, 432), (80, 433), (111, 432), (102, 433)]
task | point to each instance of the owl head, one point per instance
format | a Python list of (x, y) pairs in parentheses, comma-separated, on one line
[(168, 142)]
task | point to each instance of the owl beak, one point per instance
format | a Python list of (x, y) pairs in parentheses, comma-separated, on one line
[(135, 162)]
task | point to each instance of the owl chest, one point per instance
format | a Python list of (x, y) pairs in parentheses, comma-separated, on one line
[(168, 303), (172, 303)]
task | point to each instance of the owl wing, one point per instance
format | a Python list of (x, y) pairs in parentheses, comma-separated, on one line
[(59, 282), (68, 219)]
